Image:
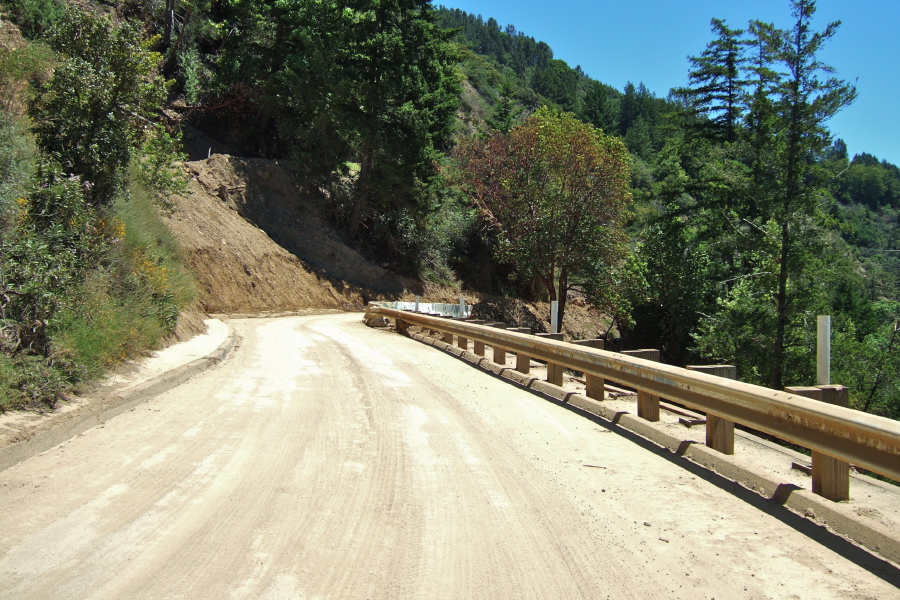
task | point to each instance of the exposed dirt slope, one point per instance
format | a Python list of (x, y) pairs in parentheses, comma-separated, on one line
[(241, 268), (264, 192)]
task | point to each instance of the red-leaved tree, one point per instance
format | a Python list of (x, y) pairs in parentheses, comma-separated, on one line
[(555, 189)]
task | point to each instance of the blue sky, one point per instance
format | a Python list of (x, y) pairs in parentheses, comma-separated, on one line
[(618, 41)]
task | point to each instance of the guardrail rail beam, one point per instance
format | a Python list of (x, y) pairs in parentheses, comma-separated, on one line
[(851, 436)]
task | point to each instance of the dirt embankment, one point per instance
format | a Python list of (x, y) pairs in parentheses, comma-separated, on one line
[(258, 247)]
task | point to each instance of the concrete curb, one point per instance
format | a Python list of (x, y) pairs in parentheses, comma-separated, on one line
[(68, 426), (837, 517)]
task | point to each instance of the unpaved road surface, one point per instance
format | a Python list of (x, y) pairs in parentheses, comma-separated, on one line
[(324, 459)]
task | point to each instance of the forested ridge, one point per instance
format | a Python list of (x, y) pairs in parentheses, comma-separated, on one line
[(720, 218)]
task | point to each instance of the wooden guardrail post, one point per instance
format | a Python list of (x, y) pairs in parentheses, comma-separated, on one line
[(447, 336), (402, 327), (477, 347), (648, 404), (435, 331), (554, 371), (594, 386), (719, 431), (830, 476), (462, 342), (523, 361), (499, 353)]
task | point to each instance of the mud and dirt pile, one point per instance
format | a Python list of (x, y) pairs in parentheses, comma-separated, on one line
[(257, 247), (581, 321)]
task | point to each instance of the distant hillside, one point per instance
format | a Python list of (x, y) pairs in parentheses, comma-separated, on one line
[(503, 63)]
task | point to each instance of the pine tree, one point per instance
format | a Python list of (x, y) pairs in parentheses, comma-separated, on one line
[(804, 101), (716, 88)]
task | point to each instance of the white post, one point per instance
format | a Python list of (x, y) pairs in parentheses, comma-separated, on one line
[(554, 317), (462, 307), (417, 304), (823, 351)]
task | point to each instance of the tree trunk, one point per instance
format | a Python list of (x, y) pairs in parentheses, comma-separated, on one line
[(170, 23), (361, 193), (777, 380), (562, 294)]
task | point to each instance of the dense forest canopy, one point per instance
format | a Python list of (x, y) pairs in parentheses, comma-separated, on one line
[(745, 221)]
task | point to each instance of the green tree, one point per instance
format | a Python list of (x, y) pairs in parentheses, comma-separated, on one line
[(361, 92), (789, 95), (506, 112), (401, 97), (94, 112), (716, 86), (804, 100), (600, 108), (554, 189)]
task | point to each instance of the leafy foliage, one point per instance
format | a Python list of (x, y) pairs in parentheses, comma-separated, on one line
[(361, 84), (77, 293), (554, 189), (35, 17), (94, 111)]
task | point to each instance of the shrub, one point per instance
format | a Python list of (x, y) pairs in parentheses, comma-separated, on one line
[(35, 17)]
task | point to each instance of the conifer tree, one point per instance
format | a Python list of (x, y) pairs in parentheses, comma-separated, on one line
[(716, 87)]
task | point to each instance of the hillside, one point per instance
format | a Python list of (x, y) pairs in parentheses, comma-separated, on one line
[(269, 251)]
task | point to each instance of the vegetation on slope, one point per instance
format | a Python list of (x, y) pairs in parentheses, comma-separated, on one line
[(89, 275)]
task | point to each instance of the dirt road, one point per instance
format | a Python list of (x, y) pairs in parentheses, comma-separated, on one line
[(328, 460)]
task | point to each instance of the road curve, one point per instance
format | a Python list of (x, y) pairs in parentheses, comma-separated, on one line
[(325, 459)]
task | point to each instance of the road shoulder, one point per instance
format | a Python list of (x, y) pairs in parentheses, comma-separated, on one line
[(24, 434)]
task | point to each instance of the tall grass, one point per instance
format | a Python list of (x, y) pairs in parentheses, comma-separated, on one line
[(130, 302), (125, 306)]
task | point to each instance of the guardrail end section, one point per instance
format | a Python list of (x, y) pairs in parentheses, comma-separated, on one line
[(373, 319)]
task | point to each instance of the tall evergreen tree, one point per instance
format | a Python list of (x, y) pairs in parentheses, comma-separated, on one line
[(804, 102), (599, 108), (716, 87)]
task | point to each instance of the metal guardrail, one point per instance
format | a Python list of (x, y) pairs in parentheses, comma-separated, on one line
[(859, 438)]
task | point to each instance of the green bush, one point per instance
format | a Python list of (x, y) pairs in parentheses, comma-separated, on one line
[(34, 17), (28, 381), (74, 315), (131, 302)]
